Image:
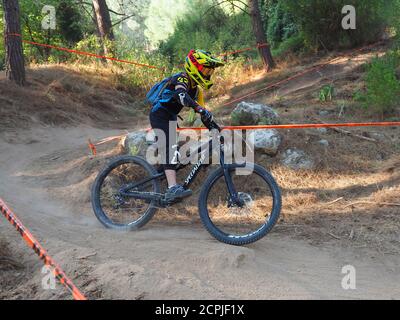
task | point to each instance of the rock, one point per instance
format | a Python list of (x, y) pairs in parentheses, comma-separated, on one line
[(322, 130), (378, 136), (136, 143), (297, 159), (266, 141), (323, 113), (247, 113), (324, 142)]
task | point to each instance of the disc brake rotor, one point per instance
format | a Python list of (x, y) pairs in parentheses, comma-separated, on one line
[(245, 208)]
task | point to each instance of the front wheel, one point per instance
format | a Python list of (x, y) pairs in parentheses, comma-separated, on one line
[(113, 209), (258, 211)]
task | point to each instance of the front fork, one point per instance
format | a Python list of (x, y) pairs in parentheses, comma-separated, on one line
[(233, 195)]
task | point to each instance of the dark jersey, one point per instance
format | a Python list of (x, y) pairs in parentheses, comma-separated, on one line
[(180, 93)]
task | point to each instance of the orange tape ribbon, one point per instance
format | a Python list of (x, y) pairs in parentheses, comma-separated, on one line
[(92, 147), (84, 53), (302, 126), (38, 249)]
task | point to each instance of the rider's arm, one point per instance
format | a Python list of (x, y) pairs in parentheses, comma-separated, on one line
[(183, 97)]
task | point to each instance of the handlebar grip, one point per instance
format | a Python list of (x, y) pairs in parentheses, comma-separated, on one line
[(217, 126)]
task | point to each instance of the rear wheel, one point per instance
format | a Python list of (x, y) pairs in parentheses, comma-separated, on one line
[(248, 222), (120, 212)]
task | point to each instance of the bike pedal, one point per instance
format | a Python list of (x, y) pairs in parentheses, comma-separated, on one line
[(171, 202)]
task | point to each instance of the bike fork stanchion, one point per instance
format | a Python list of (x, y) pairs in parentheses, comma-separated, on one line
[(228, 178)]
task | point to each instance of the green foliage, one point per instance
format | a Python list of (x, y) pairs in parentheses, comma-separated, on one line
[(359, 96), (279, 23), (211, 29), (31, 28), (69, 21), (2, 48), (191, 117), (134, 150), (90, 44), (321, 21), (395, 22), (382, 86), (71, 26), (295, 44), (326, 93)]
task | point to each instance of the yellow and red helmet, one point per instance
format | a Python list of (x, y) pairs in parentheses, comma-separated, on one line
[(199, 65)]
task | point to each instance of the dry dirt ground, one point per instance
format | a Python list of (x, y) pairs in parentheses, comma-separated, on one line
[(46, 174)]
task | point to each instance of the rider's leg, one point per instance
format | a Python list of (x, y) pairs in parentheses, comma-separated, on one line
[(171, 177), (175, 191)]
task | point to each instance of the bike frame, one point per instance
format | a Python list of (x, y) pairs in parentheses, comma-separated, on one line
[(234, 199)]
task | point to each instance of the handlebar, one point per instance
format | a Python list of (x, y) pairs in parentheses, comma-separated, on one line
[(214, 125), (211, 124)]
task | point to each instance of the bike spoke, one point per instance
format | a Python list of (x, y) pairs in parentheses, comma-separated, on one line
[(118, 207)]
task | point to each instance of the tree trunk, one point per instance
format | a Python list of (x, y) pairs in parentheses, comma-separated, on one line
[(103, 23), (258, 29), (15, 64)]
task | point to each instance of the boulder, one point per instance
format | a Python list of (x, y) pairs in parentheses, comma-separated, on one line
[(297, 159), (324, 142), (379, 136), (247, 113), (323, 113), (136, 143), (322, 130), (266, 141)]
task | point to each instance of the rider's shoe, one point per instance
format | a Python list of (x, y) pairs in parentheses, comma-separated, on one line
[(177, 192)]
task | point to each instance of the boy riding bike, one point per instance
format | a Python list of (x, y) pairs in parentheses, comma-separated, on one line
[(237, 207), (179, 91)]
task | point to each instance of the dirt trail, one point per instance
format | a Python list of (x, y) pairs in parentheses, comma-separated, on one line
[(45, 176), (162, 261)]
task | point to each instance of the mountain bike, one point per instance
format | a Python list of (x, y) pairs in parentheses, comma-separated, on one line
[(238, 203)]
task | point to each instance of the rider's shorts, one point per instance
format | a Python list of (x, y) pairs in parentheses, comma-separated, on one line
[(161, 119)]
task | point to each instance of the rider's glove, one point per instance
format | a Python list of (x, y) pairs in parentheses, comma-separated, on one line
[(206, 116)]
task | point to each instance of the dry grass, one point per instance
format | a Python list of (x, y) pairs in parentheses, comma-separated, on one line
[(67, 95), (354, 180)]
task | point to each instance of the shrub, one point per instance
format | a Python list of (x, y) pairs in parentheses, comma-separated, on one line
[(216, 31), (280, 25), (382, 86), (395, 22), (326, 93), (294, 44), (191, 118), (321, 21)]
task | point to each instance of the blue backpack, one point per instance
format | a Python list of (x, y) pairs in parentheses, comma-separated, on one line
[(158, 93)]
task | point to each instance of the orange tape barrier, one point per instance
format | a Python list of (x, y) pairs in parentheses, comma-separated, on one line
[(38, 249), (92, 146), (303, 126), (120, 60), (244, 49), (85, 53), (317, 67)]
